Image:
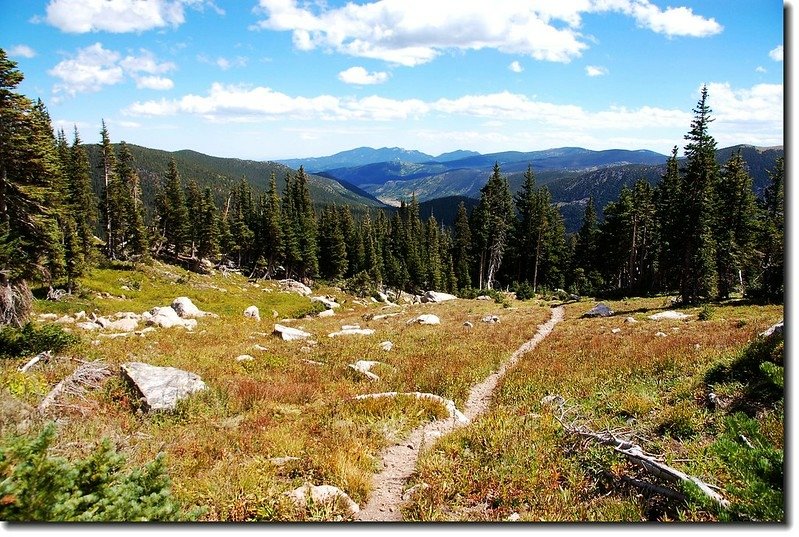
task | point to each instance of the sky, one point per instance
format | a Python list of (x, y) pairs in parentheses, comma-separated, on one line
[(276, 79)]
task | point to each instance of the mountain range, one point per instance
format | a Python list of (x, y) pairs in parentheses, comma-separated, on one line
[(368, 179)]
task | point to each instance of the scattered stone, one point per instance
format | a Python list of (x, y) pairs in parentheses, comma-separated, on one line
[(161, 387), (484, 297), (436, 297), (47, 317), (327, 301), (66, 319), (127, 315), (280, 461), (252, 312), (386, 346), (427, 318), (490, 319), (186, 309), (293, 286), (166, 317), (80, 315), (88, 325), (615, 330), (777, 328), (365, 367), (675, 315), (312, 362), (468, 324), (259, 347), (290, 334), (514, 517), (245, 358), (275, 314), (323, 494), (600, 310), (351, 331), (144, 331), (351, 327), (115, 335), (326, 313), (306, 350), (660, 334), (630, 320), (102, 321), (123, 325)]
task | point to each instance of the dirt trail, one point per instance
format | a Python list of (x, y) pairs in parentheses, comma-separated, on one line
[(399, 460)]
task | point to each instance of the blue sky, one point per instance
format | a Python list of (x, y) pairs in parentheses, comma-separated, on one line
[(271, 79)]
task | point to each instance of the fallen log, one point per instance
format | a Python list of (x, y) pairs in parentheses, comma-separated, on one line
[(633, 452), (86, 375)]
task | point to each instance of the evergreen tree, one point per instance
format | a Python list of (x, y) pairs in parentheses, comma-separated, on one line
[(462, 248), (240, 218), (208, 231), (332, 245), (772, 234), (134, 232), (735, 226), (30, 239), (585, 269), (81, 196), (110, 204), (174, 216), (698, 277), (371, 244), (494, 217), (434, 278), (668, 207), (272, 228), (306, 220), (353, 241), (194, 206), (290, 228)]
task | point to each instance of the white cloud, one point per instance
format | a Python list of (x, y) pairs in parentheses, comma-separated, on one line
[(154, 83), (413, 32), (776, 54), (359, 75), (21, 51), (222, 62), (594, 70), (760, 69), (120, 16), (516, 67), (94, 67)]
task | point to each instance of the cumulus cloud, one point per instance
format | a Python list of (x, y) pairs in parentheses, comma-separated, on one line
[(776, 54), (119, 16), (760, 69), (93, 67), (21, 51), (222, 62), (413, 32), (594, 70), (360, 76), (516, 67)]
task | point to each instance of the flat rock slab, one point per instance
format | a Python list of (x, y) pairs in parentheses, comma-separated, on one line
[(290, 334), (436, 297), (352, 331), (600, 310), (323, 494), (161, 387), (427, 318), (675, 315)]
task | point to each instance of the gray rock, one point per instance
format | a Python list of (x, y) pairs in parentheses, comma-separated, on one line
[(777, 328), (427, 318), (468, 324), (670, 315), (252, 312), (244, 358), (490, 319), (293, 286), (600, 310), (323, 494), (123, 325), (327, 301), (161, 387), (166, 317), (186, 309), (352, 331), (386, 345), (326, 313), (436, 297), (290, 334)]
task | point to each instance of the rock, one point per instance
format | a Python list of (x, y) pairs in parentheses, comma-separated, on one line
[(290, 334), (323, 494), (144, 331), (88, 325), (436, 297), (293, 286), (161, 387), (102, 321), (386, 346), (185, 308), (259, 347), (630, 320), (328, 302), (408, 494), (600, 310), (351, 327), (80, 315), (326, 313), (66, 319), (123, 325), (127, 315), (352, 331), (777, 328), (166, 317), (615, 330), (514, 517), (252, 312), (365, 368), (244, 358), (47, 317), (468, 324), (675, 315), (483, 297), (280, 461), (660, 334), (490, 319), (427, 318)]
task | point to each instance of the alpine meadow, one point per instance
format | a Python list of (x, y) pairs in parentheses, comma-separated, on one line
[(566, 334)]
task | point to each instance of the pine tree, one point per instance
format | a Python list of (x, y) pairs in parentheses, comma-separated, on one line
[(135, 231), (194, 206), (290, 228), (81, 196), (174, 216), (271, 227), (332, 245), (306, 219), (434, 278), (669, 202), (110, 203), (698, 275), (462, 248), (208, 231), (585, 270), (528, 229), (494, 216), (772, 234), (30, 239)]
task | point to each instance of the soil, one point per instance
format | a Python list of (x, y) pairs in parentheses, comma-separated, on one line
[(399, 460)]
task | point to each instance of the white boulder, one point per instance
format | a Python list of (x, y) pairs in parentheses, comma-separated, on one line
[(426, 318), (161, 387), (323, 495), (252, 312), (186, 309), (670, 315), (436, 297), (290, 334), (293, 286)]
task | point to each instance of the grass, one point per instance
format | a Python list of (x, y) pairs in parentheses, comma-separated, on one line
[(220, 443), (517, 458)]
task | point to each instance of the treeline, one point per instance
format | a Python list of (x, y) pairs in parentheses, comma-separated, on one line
[(699, 232)]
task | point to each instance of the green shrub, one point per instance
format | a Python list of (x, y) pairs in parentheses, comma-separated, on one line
[(15, 342), (38, 487), (706, 313), (524, 291)]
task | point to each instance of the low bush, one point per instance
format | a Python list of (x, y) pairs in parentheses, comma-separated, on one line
[(16, 342)]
